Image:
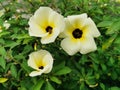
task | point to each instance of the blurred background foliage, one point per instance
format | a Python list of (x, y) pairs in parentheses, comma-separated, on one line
[(99, 70)]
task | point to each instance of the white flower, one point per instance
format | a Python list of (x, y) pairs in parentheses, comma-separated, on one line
[(79, 34), (47, 24), (2, 12), (6, 24), (41, 61)]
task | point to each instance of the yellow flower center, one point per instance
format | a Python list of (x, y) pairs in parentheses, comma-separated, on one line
[(77, 33), (49, 29), (40, 67)]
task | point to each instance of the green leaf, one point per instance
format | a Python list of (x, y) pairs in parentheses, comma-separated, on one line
[(114, 75), (102, 86), (104, 24), (2, 80), (2, 51), (63, 71), (83, 87), (2, 62), (108, 42), (55, 79), (114, 88), (113, 28), (49, 86), (11, 44), (13, 70), (103, 66), (58, 67), (38, 85), (4, 33), (91, 80)]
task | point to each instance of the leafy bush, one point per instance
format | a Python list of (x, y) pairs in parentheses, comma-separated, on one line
[(99, 70)]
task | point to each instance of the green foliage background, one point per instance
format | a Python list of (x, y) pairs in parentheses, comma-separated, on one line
[(99, 70)]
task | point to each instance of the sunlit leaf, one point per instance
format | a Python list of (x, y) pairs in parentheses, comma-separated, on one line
[(2, 80)]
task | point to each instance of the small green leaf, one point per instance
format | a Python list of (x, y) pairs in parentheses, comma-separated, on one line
[(55, 79), (63, 71), (58, 66), (2, 62), (102, 86), (13, 70), (114, 75), (103, 66), (108, 43), (4, 33), (91, 80), (114, 88), (49, 86), (83, 87), (104, 24), (113, 28), (38, 85), (2, 51), (2, 80)]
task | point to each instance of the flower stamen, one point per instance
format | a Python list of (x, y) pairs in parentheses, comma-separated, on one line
[(49, 29), (77, 33)]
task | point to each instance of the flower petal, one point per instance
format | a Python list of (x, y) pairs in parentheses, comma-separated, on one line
[(77, 21), (38, 59), (57, 20), (87, 45), (35, 29), (32, 63), (48, 61), (70, 46), (35, 58), (90, 26), (51, 37), (35, 73), (42, 15)]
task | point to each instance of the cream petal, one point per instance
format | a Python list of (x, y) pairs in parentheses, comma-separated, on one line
[(35, 73), (77, 21), (48, 59), (32, 63), (50, 37), (42, 15), (35, 29), (90, 26), (70, 46), (48, 68), (57, 20), (88, 45), (35, 58)]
